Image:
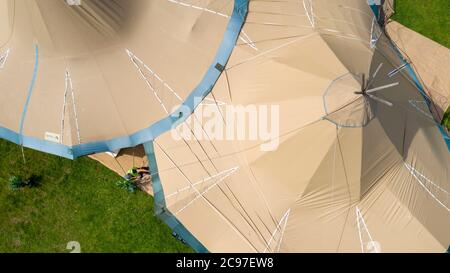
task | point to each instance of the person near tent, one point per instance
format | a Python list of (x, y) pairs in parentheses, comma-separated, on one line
[(136, 174)]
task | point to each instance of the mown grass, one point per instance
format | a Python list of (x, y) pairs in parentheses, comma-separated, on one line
[(430, 18), (75, 201), (446, 119)]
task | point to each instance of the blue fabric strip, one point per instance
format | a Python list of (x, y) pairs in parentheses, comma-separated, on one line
[(148, 134), (375, 8), (30, 91)]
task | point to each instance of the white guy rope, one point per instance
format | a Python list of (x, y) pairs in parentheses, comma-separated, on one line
[(63, 114), (415, 104), (309, 12), (423, 181), (226, 172), (69, 87), (279, 229), (4, 58), (375, 33), (397, 70), (135, 60), (201, 194), (362, 228)]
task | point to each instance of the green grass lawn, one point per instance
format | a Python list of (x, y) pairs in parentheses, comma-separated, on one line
[(430, 18), (446, 119), (76, 201)]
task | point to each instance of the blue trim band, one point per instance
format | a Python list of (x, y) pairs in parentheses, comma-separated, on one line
[(205, 87), (30, 92), (148, 134), (375, 8)]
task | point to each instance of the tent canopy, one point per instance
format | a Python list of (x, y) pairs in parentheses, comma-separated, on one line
[(360, 163)]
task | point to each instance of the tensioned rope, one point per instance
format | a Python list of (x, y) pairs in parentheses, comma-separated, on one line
[(251, 171), (69, 88), (227, 220), (293, 131), (227, 174), (4, 58), (364, 230), (347, 183), (135, 61), (200, 182), (430, 187), (281, 227), (249, 221)]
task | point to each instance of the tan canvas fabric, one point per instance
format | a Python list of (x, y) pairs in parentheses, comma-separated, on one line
[(389, 8), (355, 176), (353, 172), (430, 60), (103, 66)]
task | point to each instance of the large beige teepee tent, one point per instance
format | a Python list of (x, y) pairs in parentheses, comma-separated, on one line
[(89, 71), (361, 164)]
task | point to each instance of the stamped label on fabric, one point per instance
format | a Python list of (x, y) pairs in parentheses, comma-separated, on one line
[(56, 138)]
